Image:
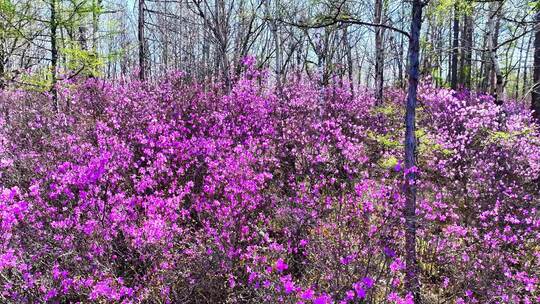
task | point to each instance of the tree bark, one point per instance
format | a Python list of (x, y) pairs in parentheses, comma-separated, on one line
[(96, 11), (2, 69), (54, 55), (379, 52), (525, 69), (519, 65), (466, 48), (493, 29), (205, 46), (348, 53), (455, 49), (142, 46), (222, 36), (536, 69), (485, 65), (277, 45), (412, 282)]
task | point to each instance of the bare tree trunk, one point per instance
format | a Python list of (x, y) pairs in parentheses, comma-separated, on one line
[(205, 46), (95, 24), (277, 45), (536, 69), (436, 38), (401, 78), (401, 52), (142, 44), (241, 32), (412, 282), (449, 74), (360, 66), (426, 63), (83, 41), (493, 28), (379, 52), (485, 66), (467, 43), (455, 49), (519, 65), (525, 67), (2, 67), (2, 57), (368, 74), (222, 36), (124, 61), (348, 53), (54, 55)]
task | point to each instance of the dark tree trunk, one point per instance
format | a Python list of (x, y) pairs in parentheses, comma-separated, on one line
[(2, 70), (205, 48), (455, 49), (466, 57), (142, 46), (82, 38), (348, 53), (536, 69), (54, 56), (379, 52), (412, 282), (401, 77)]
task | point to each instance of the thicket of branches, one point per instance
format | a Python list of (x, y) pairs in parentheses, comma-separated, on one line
[(483, 45)]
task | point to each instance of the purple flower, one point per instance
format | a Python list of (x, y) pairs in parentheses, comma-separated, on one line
[(322, 299), (360, 291), (308, 294), (281, 265), (368, 282), (389, 252)]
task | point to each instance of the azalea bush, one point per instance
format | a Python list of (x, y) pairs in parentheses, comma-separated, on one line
[(179, 192)]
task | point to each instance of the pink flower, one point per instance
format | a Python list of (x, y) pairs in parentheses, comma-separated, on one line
[(308, 294), (368, 282), (322, 299), (360, 291), (397, 265), (281, 265)]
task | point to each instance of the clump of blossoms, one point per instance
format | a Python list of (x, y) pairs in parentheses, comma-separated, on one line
[(181, 193)]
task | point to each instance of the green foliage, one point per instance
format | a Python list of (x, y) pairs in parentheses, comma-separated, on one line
[(425, 44), (441, 10), (387, 110), (7, 7), (388, 162), (427, 146), (500, 136), (37, 81), (505, 136), (436, 75), (385, 140), (85, 61)]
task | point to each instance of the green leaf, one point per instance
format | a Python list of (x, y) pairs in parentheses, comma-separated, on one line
[(389, 162)]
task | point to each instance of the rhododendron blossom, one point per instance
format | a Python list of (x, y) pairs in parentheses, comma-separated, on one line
[(178, 192)]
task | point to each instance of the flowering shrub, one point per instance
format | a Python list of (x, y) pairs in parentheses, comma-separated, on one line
[(180, 193)]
